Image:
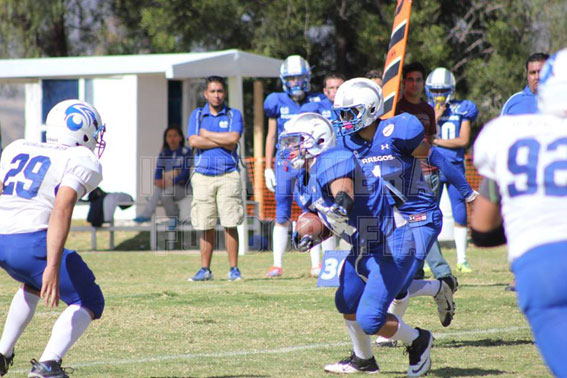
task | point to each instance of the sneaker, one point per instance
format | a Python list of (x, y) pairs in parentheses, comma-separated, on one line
[(510, 287), (274, 271), (445, 303), (353, 365), (315, 271), (234, 274), (426, 269), (385, 343), (420, 354), (5, 363), (452, 282), (464, 267), (49, 368), (142, 219), (203, 274)]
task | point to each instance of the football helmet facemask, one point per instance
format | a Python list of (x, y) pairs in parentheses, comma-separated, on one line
[(295, 74), (358, 103), (439, 87)]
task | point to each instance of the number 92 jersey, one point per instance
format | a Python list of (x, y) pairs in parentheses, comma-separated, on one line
[(32, 173), (526, 156)]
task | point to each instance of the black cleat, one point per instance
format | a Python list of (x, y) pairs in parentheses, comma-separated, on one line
[(352, 365), (452, 282), (420, 354), (5, 363), (51, 369)]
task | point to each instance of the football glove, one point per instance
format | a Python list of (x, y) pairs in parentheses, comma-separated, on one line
[(304, 244), (270, 178)]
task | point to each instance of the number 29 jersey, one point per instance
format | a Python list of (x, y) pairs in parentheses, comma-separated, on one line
[(526, 156), (31, 174)]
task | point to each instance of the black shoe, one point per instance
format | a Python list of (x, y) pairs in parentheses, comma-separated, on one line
[(5, 363), (510, 287), (419, 354), (51, 369), (451, 281), (353, 365)]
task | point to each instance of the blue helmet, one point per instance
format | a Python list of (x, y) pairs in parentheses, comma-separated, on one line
[(295, 74), (439, 86)]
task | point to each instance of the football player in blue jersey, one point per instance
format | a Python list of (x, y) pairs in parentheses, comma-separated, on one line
[(353, 203), (454, 118), (523, 161), (390, 149), (39, 187), (295, 75)]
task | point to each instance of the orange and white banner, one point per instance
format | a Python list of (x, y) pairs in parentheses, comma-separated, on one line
[(395, 59)]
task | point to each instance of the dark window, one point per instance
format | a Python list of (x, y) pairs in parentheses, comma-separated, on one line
[(174, 103), (55, 91)]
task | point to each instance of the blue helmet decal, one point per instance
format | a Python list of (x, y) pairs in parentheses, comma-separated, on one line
[(78, 116)]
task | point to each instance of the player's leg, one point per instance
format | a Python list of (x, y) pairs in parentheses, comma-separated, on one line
[(204, 217), (329, 244), (542, 296), (231, 212), (460, 231)]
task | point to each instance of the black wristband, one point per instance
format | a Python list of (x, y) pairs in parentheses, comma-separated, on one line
[(491, 238), (344, 200)]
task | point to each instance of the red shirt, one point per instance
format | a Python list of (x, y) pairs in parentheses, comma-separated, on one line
[(426, 115)]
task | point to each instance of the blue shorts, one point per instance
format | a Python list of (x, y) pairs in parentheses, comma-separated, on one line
[(458, 204), (542, 297), (369, 283), (285, 184), (24, 257)]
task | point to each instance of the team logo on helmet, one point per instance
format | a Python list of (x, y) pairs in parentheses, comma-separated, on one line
[(77, 116)]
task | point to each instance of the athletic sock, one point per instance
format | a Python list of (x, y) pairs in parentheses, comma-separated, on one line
[(315, 254), (280, 235), (461, 234), (405, 333), (399, 306), (424, 288), (70, 325), (361, 342), (19, 316)]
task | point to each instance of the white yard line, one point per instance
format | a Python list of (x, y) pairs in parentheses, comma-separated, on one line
[(291, 349)]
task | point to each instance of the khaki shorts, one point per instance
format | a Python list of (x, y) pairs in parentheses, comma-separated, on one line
[(214, 197)]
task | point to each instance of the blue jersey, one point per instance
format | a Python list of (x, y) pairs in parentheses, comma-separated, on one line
[(449, 126), (324, 107), (280, 106), (523, 102), (370, 220), (389, 155), (178, 160), (219, 160)]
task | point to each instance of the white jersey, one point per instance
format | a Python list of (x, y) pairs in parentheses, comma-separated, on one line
[(31, 173), (526, 155)]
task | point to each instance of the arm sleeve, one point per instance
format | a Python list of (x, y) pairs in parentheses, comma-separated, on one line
[(160, 167), (271, 108), (408, 133), (468, 110), (335, 165), (192, 127), (483, 150), (236, 123), (83, 170), (454, 176)]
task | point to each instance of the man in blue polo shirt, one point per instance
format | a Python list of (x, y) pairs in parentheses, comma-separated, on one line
[(213, 134), (524, 102)]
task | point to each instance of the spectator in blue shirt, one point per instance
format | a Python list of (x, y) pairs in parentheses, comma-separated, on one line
[(524, 102), (171, 176), (213, 134)]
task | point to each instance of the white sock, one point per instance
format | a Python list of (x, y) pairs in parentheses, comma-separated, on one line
[(19, 316), (399, 306), (405, 333), (279, 242), (67, 329), (361, 342), (424, 288), (461, 234), (329, 244), (315, 254)]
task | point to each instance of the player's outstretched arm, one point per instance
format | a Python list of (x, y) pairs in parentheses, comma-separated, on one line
[(57, 231)]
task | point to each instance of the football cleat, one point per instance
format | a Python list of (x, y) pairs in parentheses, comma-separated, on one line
[(385, 343), (445, 303), (420, 354), (203, 274), (5, 363), (234, 274), (452, 282), (48, 369), (464, 267), (353, 365), (274, 272)]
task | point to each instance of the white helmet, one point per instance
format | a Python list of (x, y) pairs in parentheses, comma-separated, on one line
[(358, 103), (295, 67), (439, 86), (306, 136), (76, 123), (552, 87)]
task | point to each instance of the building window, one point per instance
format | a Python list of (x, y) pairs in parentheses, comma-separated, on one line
[(55, 91), (174, 103)]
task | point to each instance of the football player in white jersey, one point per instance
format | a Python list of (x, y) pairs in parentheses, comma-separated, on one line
[(39, 185), (523, 160)]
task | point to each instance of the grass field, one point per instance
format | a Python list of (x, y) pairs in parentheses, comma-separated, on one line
[(156, 324)]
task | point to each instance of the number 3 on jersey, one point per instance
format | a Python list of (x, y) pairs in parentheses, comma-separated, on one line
[(27, 176), (554, 173)]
